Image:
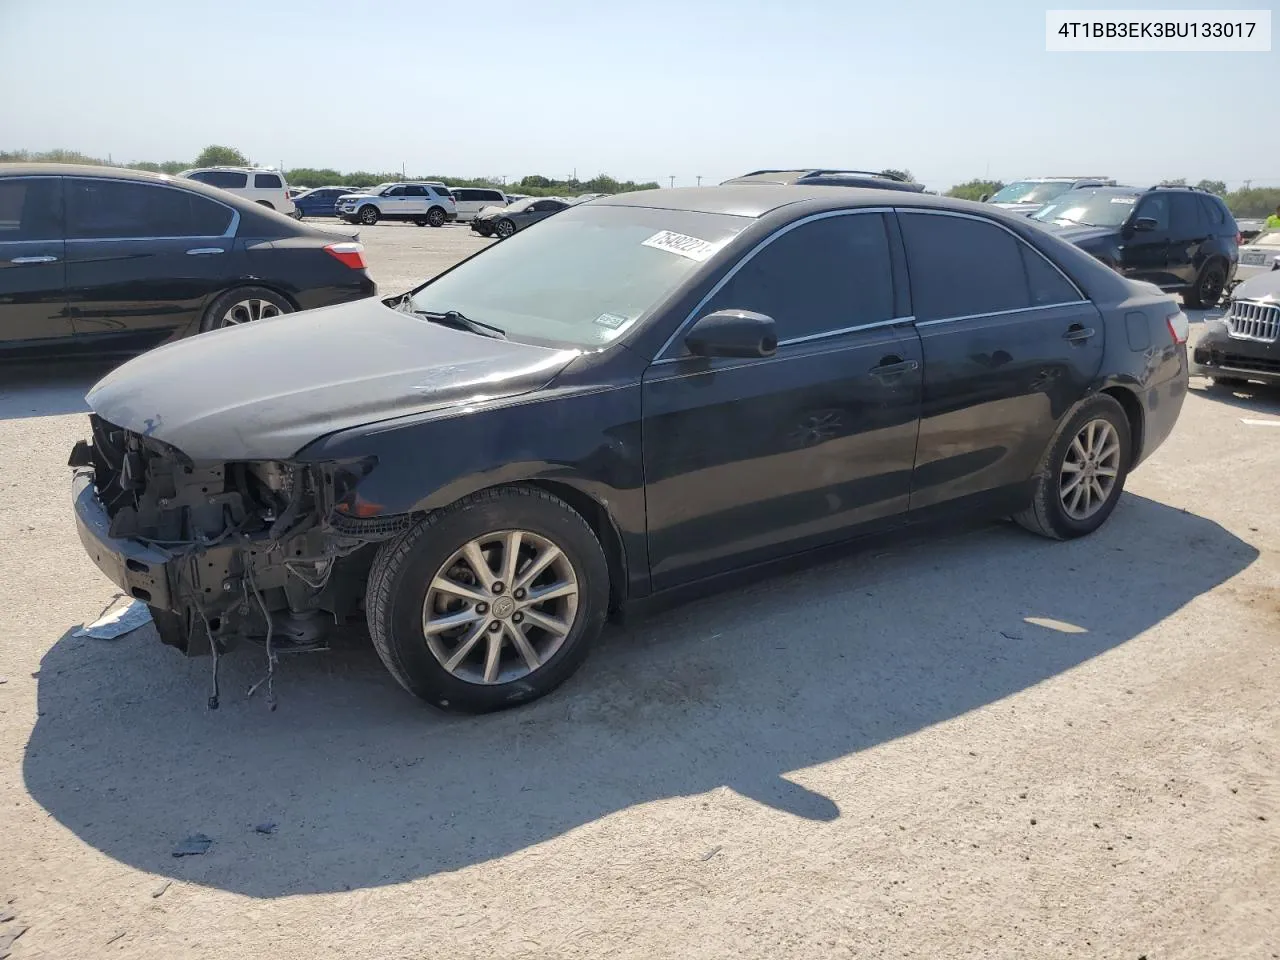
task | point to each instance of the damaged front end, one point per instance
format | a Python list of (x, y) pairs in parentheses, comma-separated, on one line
[(270, 551)]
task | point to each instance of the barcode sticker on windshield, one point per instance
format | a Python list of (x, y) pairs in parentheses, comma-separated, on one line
[(1129, 200), (682, 246)]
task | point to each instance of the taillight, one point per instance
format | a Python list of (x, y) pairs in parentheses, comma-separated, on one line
[(1179, 326), (351, 254)]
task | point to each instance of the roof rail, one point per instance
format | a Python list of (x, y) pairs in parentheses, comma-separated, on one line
[(1174, 186), (824, 172)]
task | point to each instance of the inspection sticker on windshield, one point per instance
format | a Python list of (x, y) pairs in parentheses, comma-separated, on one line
[(612, 320), (683, 246), (1128, 200)]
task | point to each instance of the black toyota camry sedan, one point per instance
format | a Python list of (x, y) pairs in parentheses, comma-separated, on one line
[(95, 260), (648, 391)]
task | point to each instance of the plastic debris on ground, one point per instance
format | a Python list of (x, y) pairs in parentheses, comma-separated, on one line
[(193, 845), (118, 619)]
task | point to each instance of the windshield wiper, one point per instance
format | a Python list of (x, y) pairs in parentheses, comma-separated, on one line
[(452, 318)]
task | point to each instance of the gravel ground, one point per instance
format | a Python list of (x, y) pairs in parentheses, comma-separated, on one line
[(979, 745)]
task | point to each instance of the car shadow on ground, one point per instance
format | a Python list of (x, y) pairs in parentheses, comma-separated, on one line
[(367, 787), (48, 390), (1250, 397)]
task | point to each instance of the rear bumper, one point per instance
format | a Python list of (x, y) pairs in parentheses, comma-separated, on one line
[(1218, 354), (140, 570)]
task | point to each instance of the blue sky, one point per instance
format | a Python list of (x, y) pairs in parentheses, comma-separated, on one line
[(640, 90)]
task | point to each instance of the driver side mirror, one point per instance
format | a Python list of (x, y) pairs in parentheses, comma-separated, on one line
[(984, 198), (733, 333), (1145, 224)]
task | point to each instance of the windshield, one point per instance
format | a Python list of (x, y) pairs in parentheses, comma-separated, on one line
[(1089, 208), (1269, 239), (521, 205), (583, 277), (1030, 191)]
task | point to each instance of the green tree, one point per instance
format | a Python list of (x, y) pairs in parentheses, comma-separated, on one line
[(215, 155), (1254, 203), (900, 174), (1213, 186), (975, 189)]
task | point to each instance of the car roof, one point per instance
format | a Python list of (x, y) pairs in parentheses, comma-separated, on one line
[(758, 199)]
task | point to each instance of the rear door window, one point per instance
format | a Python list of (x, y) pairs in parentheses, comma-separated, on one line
[(413, 190), (31, 209), (267, 181), (819, 277), (1184, 215), (489, 196), (227, 179), (119, 210), (962, 267)]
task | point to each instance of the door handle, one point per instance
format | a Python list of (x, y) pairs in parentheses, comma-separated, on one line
[(893, 366), (33, 260), (1078, 334), (204, 251)]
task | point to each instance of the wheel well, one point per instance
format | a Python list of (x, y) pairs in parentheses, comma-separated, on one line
[(264, 203), (1133, 413), (256, 283), (601, 524)]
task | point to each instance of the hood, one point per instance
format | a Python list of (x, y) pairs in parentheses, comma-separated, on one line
[(1024, 208), (356, 196), (265, 390), (1082, 236), (1265, 286)]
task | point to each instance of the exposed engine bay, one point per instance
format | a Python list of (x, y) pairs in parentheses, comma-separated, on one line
[(270, 552)]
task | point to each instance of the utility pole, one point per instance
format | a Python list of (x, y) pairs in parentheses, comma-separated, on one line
[(673, 180)]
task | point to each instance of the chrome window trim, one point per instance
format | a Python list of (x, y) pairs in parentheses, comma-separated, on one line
[(227, 234), (811, 338), (894, 322), (969, 216), (997, 313), (746, 258)]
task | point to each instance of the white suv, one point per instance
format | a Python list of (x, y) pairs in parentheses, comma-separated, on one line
[(421, 203), (259, 184), (471, 200)]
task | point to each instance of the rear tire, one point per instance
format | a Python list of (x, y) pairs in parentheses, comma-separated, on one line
[(1061, 510), (436, 217), (243, 305), (1229, 381), (456, 668), (1207, 290)]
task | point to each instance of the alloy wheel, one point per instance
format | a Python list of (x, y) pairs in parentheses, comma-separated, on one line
[(500, 607), (1211, 286), (1090, 470), (246, 311)]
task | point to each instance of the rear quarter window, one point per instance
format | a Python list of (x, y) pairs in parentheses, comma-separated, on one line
[(227, 179), (267, 181)]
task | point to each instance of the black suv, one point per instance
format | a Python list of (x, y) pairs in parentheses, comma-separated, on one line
[(1181, 239), (810, 177)]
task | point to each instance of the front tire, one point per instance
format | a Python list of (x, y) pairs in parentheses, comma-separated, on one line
[(504, 228), (1080, 479), (368, 215), (490, 602), (243, 305)]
